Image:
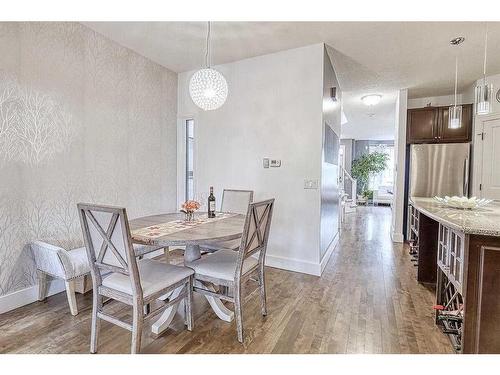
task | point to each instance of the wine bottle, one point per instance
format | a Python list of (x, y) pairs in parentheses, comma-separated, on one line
[(211, 203)]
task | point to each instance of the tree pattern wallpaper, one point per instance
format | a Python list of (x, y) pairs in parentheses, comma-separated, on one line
[(82, 119)]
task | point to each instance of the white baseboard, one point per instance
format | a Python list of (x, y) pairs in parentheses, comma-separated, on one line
[(295, 265), (302, 266), (397, 237), (329, 252), (28, 295)]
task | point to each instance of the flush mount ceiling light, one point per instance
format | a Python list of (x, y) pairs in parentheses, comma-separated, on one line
[(372, 99), (208, 87), (484, 90), (455, 112)]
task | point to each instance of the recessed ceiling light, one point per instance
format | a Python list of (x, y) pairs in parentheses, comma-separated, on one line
[(371, 99)]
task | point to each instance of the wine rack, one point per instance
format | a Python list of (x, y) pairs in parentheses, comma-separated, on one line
[(414, 218), (449, 312), (449, 302), (451, 249)]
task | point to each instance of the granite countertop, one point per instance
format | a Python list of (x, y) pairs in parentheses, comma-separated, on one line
[(482, 221)]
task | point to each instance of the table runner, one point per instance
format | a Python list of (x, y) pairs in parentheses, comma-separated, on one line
[(169, 227)]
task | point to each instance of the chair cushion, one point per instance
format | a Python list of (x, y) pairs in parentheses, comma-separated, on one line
[(79, 262), (221, 265), (154, 276)]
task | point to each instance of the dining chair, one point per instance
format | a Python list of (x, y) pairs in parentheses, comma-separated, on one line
[(235, 201), (136, 283), (228, 269)]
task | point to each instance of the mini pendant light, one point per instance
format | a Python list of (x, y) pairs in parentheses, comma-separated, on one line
[(208, 87), (484, 90), (455, 112)]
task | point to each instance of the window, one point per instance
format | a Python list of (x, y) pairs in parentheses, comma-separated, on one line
[(386, 177), (189, 159)]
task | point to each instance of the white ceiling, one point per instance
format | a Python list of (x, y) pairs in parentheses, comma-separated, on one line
[(365, 122), (369, 57)]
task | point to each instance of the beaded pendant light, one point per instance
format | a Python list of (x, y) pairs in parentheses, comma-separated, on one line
[(208, 87)]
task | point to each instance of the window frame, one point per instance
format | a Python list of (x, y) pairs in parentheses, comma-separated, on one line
[(188, 158)]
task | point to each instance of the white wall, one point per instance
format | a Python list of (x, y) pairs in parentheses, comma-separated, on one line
[(399, 166), (330, 202), (274, 109)]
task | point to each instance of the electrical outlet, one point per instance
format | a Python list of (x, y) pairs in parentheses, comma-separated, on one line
[(265, 162)]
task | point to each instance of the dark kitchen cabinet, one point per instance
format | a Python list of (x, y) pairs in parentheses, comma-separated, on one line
[(430, 125), (464, 133), (422, 125)]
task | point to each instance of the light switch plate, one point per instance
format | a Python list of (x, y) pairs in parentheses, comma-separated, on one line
[(265, 162), (311, 184), (275, 163)]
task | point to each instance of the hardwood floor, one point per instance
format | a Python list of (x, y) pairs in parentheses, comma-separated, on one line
[(366, 301)]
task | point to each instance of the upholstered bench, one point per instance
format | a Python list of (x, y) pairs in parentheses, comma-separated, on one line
[(68, 265)]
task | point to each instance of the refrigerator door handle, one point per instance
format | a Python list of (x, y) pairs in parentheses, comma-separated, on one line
[(466, 178)]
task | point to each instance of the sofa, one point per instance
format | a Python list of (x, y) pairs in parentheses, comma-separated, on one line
[(383, 195)]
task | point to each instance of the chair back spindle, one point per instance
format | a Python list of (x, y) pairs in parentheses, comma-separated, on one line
[(108, 242), (255, 231)]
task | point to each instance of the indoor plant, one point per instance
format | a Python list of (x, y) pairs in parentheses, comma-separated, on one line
[(368, 165)]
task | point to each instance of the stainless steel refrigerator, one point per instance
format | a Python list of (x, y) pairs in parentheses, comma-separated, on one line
[(439, 169)]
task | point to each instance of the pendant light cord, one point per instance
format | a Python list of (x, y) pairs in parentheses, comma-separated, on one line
[(456, 78), (207, 50), (485, 52)]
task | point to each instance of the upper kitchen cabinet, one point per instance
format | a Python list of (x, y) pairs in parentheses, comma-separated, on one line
[(462, 134), (422, 125), (430, 125)]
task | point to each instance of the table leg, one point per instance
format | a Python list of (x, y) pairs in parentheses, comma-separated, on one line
[(168, 315), (192, 253), (216, 303)]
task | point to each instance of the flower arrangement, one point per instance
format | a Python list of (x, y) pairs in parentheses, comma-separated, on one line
[(189, 208)]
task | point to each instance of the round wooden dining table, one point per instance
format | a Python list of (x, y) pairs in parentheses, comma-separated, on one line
[(171, 230)]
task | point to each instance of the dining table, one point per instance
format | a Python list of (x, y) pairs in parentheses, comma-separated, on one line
[(172, 229)]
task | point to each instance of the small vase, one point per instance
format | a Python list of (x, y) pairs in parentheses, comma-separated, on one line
[(189, 216)]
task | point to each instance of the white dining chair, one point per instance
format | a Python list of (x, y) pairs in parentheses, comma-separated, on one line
[(228, 269), (136, 283), (235, 201)]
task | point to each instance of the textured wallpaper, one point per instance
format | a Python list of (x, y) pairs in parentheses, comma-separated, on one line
[(81, 119)]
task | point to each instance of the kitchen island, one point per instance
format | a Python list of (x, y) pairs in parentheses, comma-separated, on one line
[(459, 252)]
